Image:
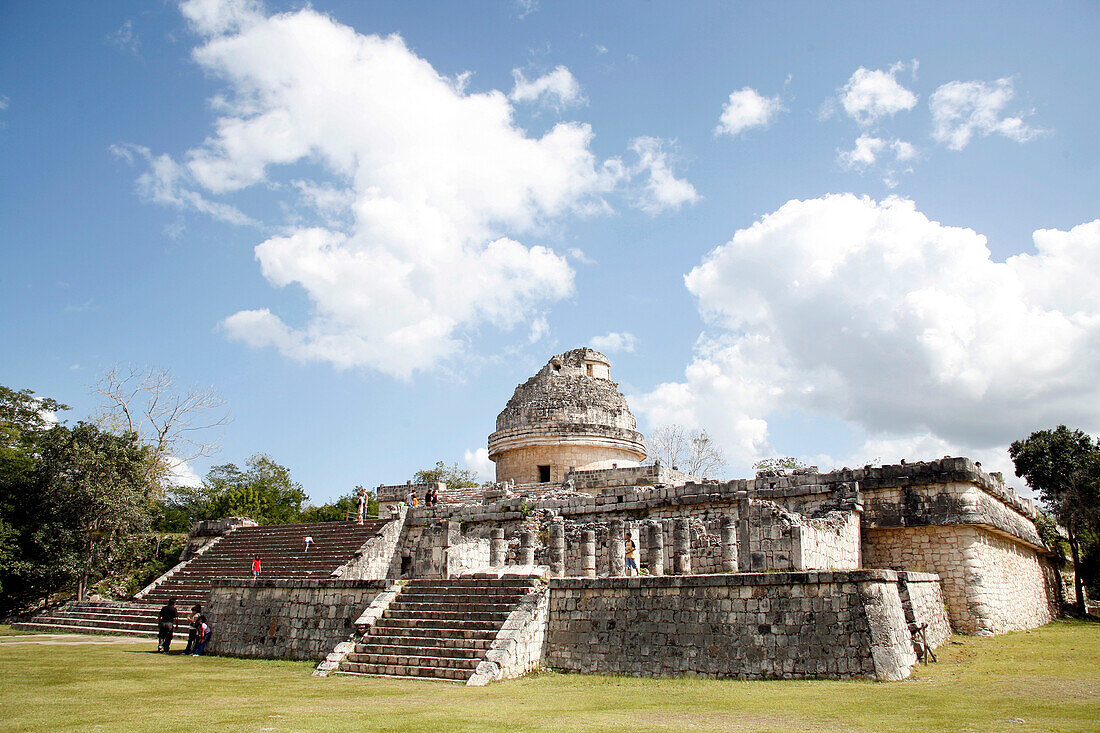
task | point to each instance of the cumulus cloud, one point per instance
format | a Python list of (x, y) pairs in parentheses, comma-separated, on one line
[(171, 184), (180, 473), (747, 108), (662, 190), (962, 108), (478, 460), (901, 326), (540, 327), (419, 193), (556, 89), (614, 342), (871, 94), (868, 148)]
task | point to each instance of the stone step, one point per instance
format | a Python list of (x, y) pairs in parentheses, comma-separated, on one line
[(104, 624), (439, 680), (401, 670), (415, 605), (424, 650), (77, 629), (381, 659), (445, 633), (435, 642), (431, 617), (444, 625)]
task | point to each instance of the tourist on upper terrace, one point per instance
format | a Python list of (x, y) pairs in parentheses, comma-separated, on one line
[(631, 550), (256, 566), (362, 504), (166, 625), (196, 611)]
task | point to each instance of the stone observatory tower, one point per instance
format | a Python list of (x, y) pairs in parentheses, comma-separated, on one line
[(569, 415)]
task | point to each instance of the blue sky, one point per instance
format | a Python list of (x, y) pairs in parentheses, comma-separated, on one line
[(845, 233)]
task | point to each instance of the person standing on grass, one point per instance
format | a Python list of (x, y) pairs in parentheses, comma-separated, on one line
[(202, 636), (165, 625), (256, 566), (192, 631)]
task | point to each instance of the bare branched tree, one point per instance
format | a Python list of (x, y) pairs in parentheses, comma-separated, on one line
[(179, 425), (691, 451)]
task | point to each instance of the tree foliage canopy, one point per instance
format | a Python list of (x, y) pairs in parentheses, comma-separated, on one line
[(454, 476), (1063, 466)]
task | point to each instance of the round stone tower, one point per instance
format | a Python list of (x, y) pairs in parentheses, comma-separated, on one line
[(569, 415)]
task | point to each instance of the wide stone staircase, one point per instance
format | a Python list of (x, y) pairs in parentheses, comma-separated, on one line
[(124, 619), (438, 629), (281, 548)]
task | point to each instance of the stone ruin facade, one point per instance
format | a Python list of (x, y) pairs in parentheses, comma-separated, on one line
[(849, 573)]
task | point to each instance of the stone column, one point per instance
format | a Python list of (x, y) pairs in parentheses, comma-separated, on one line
[(498, 548), (656, 547), (729, 545), (557, 547), (681, 547), (617, 548), (526, 548), (588, 554)]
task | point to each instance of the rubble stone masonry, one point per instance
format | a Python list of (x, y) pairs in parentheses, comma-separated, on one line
[(749, 625), (285, 619)]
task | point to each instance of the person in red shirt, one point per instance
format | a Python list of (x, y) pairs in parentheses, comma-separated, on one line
[(256, 567)]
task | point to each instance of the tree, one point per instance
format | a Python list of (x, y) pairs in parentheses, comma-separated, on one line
[(265, 492), (453, 476), (1063, 466), (176, 424), (785, 464), (95, 486), (691, 451)]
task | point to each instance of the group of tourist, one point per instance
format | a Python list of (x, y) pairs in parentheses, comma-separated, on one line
[(431, 497), (198, 632)]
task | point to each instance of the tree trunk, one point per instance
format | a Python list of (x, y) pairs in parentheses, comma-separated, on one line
[(1078, 581)]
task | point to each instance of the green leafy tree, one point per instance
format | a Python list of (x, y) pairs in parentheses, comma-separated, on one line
[(454, 476), (1063, 466), (784, 464), (265, 491)]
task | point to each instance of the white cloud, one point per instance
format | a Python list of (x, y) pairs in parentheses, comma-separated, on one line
[(526, 7), (180, 473), (962, 108), (901, 326), (614, 342), (556, 89), (4, 102), (125, 38), (478, 460), (600, 49), (421, 190), (578, 254), (872, 94), (662, 189), (868, 148), (540, 327), (747, 108)]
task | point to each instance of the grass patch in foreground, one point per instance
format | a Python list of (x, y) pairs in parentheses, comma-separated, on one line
[(1049, 679)]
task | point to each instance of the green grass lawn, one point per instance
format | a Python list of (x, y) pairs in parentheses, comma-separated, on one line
[(1045, 680)]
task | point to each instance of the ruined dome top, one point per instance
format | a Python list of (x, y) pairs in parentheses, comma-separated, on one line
[(573, 389)]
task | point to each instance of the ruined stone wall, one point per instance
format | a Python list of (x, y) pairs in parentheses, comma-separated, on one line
[(922, 599), (991, 583), (772, 538), (749, 626), (285, 619), (375, 559)]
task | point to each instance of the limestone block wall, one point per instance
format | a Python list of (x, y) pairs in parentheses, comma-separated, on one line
[(375, 559), (518, 646), (748, 626), (771, 538), (922, 599), (285, 619), (991, 583), (521, 464)]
